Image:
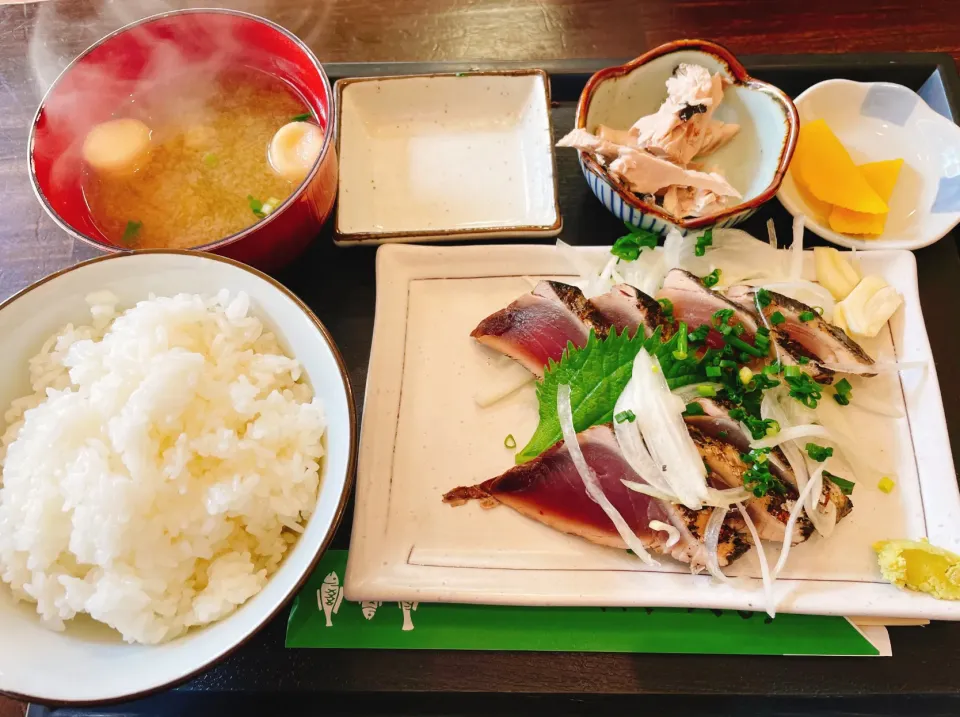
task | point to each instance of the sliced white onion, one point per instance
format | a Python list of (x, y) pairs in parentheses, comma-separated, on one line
[(772, 233), (792, 433), (796, 249), (878, 367), (692, 391), (805, 494), (711, 543), (648, 489), (770, 408), (727, 496), (665, 432), (590, 482), (764, 566), (673, 535), (589, 273), (512, 378), (632, 445), (715, 498), (864, 402)]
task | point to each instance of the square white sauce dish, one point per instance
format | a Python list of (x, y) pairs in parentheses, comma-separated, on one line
[(446, 157)]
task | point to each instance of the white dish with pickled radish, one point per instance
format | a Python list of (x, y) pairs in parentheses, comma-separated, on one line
[(877, 121), (474, 495)]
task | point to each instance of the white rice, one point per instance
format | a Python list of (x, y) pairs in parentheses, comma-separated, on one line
[(165, 462)]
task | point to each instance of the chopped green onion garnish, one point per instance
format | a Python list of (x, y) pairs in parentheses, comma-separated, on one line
[(131, 232), (791, 371), (776, 318), (773, 367), (804, 389), (742, 345), (845, 486), (803, 360), (807, 316), (714, 371), (699, 334), (722, 434), (707, 391), (773, 428), (256, 206), (629, 247), (818, 453), (727, 363), (667, 306), (712, 279), (693, 409), (628, 416), (843, 392), (703, 241), (210, 159), (885, 485), (511, 442), (722, 317), (302, 118), (763, 297), (818, 309)]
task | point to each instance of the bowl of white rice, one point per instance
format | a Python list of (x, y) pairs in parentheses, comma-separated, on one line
[(177, 441)]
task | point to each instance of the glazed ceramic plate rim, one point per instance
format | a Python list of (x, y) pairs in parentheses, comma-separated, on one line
[(452, 234), (145, 669), (376, 572), (793, 203)]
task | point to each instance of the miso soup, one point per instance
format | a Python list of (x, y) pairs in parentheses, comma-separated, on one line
[(198, 168)]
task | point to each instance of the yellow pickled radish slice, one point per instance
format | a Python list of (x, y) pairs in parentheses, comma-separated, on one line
[(117, 147), (830, 174), (882, 176), (294, 149)]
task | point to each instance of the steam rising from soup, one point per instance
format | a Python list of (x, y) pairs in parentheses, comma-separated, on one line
[(206, 170)]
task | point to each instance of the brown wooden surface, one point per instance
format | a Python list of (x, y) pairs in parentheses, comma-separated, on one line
[(37, 40)]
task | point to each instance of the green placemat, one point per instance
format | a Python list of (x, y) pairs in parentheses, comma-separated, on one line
[(320, 617)]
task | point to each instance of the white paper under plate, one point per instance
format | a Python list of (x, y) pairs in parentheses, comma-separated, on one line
[(423, 434)]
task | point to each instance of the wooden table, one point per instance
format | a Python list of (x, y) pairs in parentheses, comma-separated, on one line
[(38, 39)]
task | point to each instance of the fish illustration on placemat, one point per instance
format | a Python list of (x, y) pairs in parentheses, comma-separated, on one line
[(329, 597)]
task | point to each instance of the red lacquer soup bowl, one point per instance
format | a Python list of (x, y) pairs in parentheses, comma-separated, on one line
[(95, 85)]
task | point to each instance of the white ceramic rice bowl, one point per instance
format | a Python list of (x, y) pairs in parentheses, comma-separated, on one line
[(89, 662)]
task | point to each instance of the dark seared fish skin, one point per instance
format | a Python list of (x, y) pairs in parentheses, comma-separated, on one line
[(769, 513), (819, 339), (549, 489), (717, 424), (538, 326), (790, 353), (626, 308), (695, 304)]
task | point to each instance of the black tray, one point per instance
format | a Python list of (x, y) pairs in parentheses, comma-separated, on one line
[(923, 677)]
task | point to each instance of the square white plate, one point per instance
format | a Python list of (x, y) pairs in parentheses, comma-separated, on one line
[(423, 434), (444, 157)]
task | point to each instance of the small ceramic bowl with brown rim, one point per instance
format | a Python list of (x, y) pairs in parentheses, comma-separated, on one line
[(754, 161)]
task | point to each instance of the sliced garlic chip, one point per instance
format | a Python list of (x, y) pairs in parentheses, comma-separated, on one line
[(117, 147), (834, 272), (869, 306), (294, 150)]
